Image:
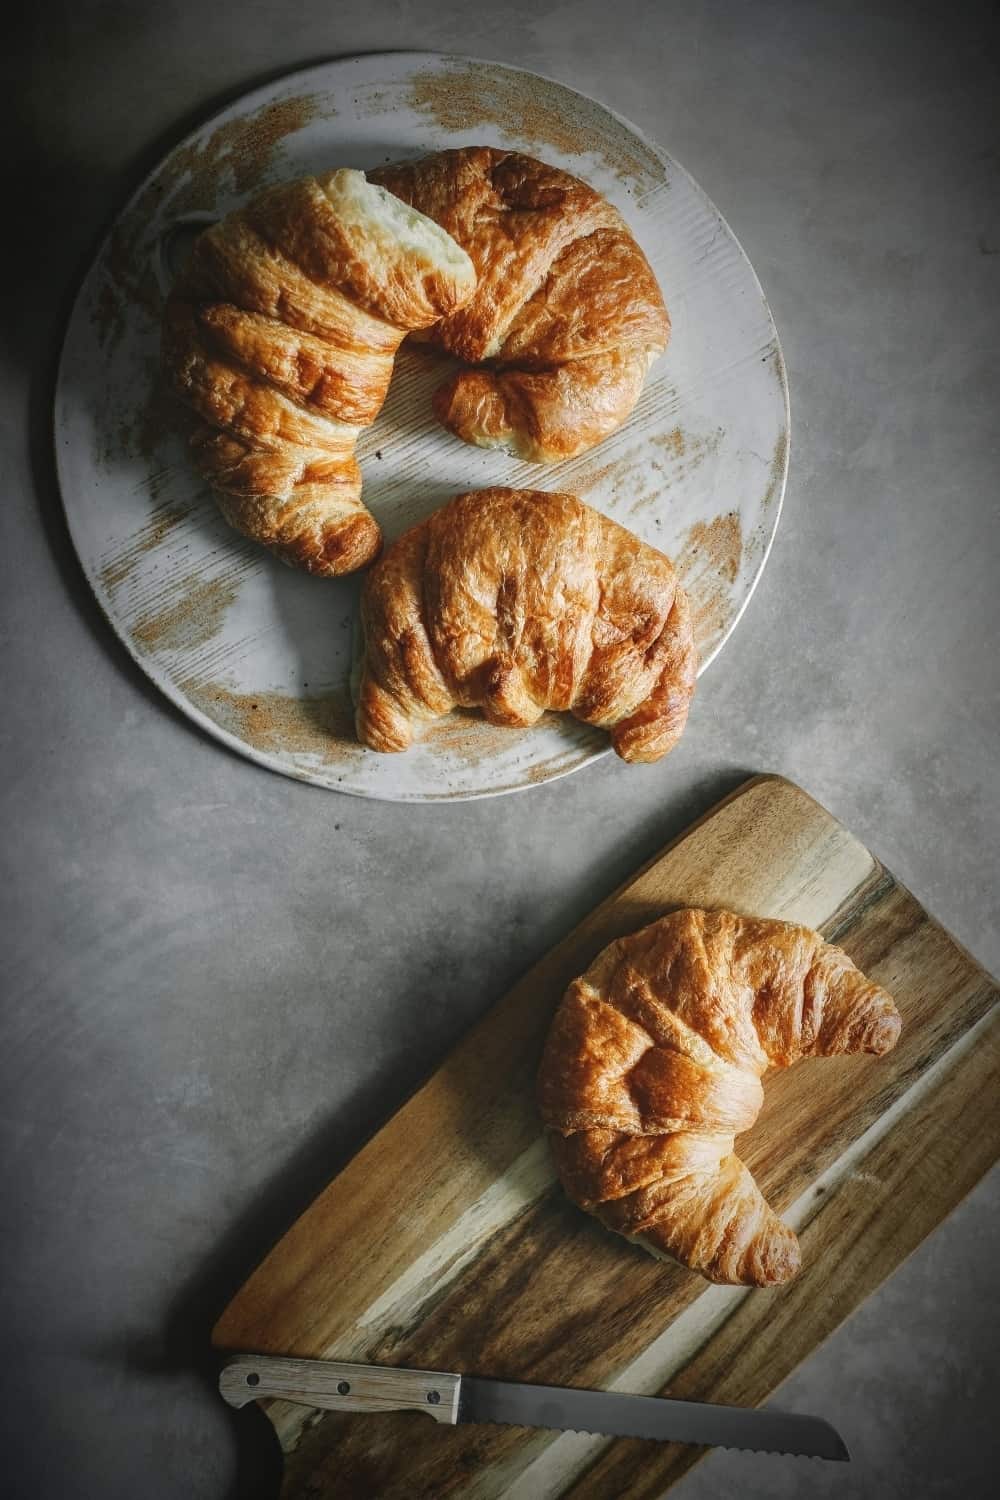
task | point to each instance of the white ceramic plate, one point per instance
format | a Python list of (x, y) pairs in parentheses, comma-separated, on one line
[(259, 655)]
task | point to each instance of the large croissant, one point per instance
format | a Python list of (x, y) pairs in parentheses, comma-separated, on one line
[(281, 334), (518, 601), (653, 1065), (567, 312)]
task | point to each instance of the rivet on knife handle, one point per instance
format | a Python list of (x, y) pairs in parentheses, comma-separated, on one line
[(339, 1387)]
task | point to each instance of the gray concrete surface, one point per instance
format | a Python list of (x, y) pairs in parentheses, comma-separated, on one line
[(217, 981)]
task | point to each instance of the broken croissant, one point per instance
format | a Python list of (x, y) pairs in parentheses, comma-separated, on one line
[(566, 318), (281, 334), (653, 1065), (518, 601)]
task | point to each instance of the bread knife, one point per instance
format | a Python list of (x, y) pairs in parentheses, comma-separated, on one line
[(456, 1399)]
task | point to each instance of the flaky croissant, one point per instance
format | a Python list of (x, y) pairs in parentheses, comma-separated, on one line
[(653, 1065), (281, 334), (518, 601), (567, 313)]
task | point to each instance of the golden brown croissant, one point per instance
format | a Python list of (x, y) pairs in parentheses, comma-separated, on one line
[(653, 1065), (281, 334), (518, 601), (566, 313)]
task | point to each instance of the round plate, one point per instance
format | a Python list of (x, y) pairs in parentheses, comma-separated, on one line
[(260, 655)]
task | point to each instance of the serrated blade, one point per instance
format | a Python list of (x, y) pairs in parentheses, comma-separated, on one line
[(614, 1414)]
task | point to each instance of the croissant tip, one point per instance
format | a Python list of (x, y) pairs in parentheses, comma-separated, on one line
[(786, 1270), (884, 1033), (774, 1258), (779, 1272), (345, 546)]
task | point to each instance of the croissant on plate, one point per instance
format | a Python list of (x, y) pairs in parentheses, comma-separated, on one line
[(518, 601), (566, 318), (281, 333), (653, 1065)]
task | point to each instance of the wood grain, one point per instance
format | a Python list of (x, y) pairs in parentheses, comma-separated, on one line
[(465, 1255)]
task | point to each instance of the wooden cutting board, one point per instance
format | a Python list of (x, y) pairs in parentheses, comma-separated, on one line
[(447, 1244)]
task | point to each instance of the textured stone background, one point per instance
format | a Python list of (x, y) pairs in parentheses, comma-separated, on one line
[(219, 981)]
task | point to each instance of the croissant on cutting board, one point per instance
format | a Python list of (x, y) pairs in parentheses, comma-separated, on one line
[(518, 601), (281, 334), (653, 1065), (566, 318)]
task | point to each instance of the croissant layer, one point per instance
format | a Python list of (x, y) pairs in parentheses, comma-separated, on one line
[(653, 1065)]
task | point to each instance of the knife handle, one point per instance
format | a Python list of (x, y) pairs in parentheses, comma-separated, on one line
[(339, 1387)]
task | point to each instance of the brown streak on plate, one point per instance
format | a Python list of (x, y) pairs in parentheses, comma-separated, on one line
[(717, 544), (695, 447), (466, 735), (193, 617), (272, 721), (674, 441), (157, 416), (776, 473), (618, 471), (521, 106), (648, 479), (118, 565), (777, 469), (190, 179), (708, 565)]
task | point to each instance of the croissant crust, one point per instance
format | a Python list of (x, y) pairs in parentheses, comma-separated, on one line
[(567, 316), (280, 335), (519, 601), (653, 1065)]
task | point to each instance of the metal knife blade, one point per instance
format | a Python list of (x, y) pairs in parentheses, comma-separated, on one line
[(615, 1414), (335, 1386)]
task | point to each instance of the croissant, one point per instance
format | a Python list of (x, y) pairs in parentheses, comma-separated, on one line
[(518, 601), (281, 334), (653, 1064), (567, 313)]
